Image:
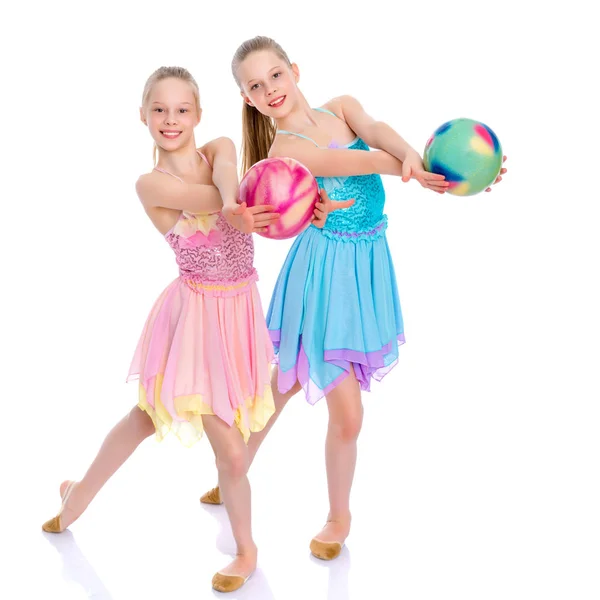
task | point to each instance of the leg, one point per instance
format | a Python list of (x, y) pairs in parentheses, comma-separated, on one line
[(345, 421), (232, 463), (256, 439), (118, 446)]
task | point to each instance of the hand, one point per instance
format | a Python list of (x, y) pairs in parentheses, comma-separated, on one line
[(250, 220), (412, 168), (324, 206), (499, 178)]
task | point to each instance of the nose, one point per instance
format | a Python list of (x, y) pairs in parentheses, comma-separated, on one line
[(271, 90), (170, 118)]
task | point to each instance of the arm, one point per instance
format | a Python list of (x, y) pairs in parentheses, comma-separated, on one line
[(380, 135), (222, 156), (328, 162), (156, 190), (376, 134)]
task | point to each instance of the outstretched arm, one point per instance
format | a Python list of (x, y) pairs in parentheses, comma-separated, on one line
[(221, 154), (378, 134), (157, 190), (337, 162)]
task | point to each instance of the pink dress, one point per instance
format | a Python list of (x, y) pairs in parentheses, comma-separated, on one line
[(205, 348)]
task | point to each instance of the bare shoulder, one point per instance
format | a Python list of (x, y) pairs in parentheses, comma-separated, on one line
[(153, 187), (222, 146), (145, 184), (343, 105), (335, 105)]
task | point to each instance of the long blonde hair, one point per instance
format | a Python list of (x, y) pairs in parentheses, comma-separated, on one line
[(167, 73), (258, 130)]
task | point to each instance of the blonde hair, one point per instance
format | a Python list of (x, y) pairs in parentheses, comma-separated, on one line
[(167, 73), (258, 130)]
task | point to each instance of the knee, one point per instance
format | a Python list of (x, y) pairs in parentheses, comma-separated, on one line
[(234, 462), (140, 423), (347, 428)]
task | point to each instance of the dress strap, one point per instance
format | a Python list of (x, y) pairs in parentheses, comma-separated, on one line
[(204, 158), (167, 173), (304, 137), (324, 110), (176, 177)]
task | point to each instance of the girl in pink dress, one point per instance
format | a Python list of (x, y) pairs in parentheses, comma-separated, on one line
[(203, 357)]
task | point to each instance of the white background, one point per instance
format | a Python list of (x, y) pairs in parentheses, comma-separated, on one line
[(478, 461)]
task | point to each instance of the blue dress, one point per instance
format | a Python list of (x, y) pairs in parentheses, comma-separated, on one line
[(335, 303)]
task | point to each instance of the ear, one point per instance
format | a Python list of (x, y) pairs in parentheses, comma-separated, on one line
[(246, 99), (143, 116), (199, 117), (296, 72)]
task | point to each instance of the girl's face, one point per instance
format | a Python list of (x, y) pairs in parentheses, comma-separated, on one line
[(268, 83), (171, 113)]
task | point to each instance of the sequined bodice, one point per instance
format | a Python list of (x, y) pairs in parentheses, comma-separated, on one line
[(208, 249), (369, 195)]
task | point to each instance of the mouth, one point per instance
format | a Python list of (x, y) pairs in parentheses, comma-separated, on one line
[(170, 134), (277, 102)]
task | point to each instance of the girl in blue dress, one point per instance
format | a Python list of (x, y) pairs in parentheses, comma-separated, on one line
[(335, 316)]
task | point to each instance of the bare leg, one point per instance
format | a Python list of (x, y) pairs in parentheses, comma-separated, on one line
[(256, 439), (117, 447), (345, 421), (232, 463)]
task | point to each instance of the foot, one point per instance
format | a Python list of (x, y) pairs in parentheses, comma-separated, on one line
[(72, 508), (328, 543), (236, 573), (212, 497)]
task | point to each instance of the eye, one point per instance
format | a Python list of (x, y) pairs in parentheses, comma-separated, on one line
[(183, 110), (254, 87), (159, 110), (276, 75)]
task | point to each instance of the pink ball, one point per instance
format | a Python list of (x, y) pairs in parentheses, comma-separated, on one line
[(287, 185)]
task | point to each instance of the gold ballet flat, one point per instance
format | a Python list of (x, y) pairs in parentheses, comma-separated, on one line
[(325, 550), (212, 497), (228, 583), (54, 524)]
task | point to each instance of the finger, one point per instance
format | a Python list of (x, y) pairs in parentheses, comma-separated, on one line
[(264, 224), (489, 189), (435, 185), (429, 176), (504, 158), (324, 195), (262, 208), (406, 172), (342, 204), (498, 179), (502, 171), (259, 229), (266, 218)]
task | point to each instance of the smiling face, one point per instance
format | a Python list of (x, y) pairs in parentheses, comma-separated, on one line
[(268, 83), (171, 111)]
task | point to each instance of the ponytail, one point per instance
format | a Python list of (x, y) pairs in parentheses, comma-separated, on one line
[(258, 134)]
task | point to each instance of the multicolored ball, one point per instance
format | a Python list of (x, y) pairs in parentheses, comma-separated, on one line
[(467, 153)]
